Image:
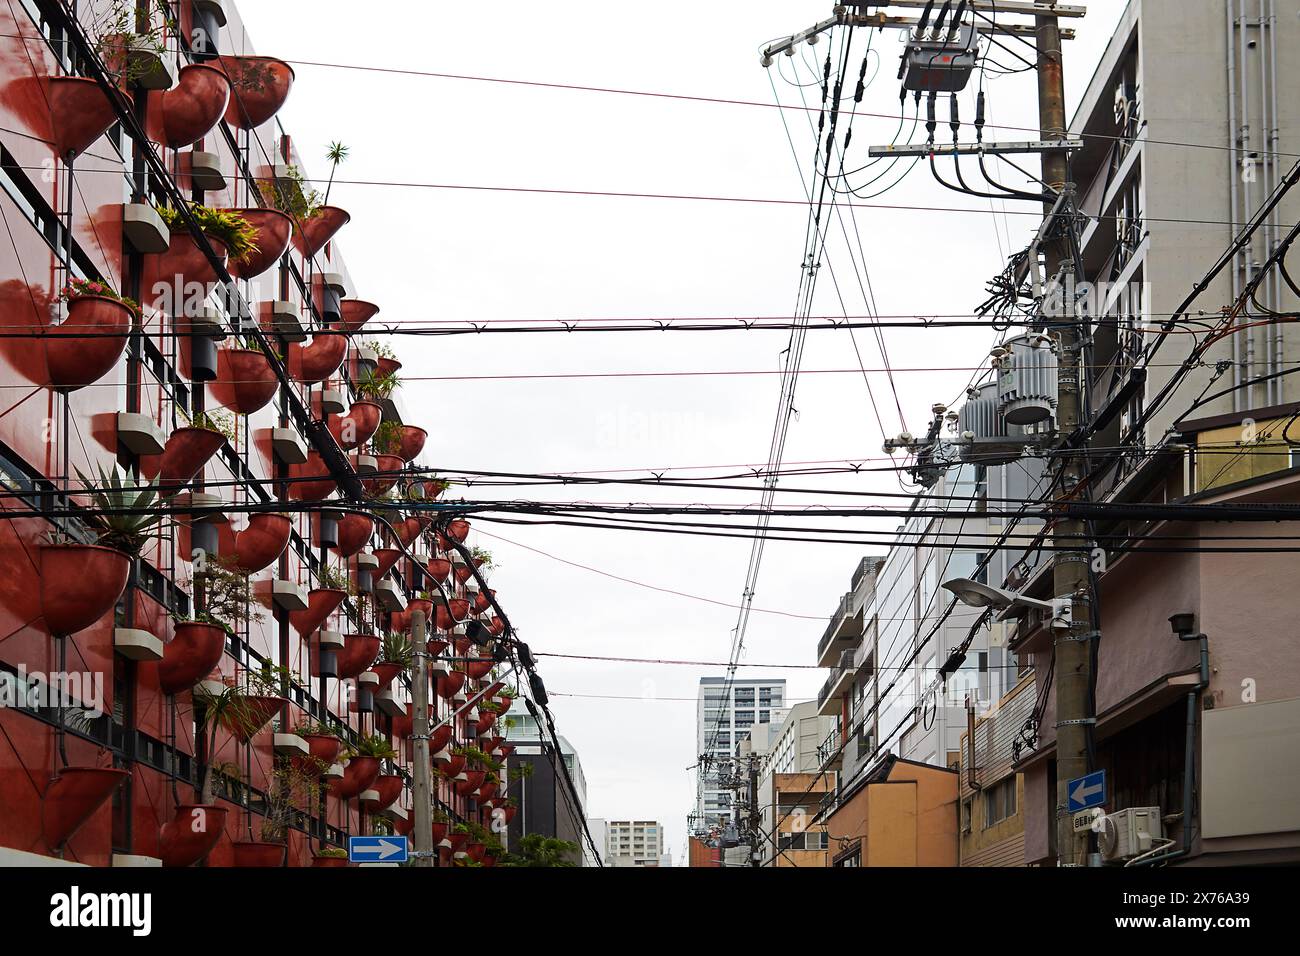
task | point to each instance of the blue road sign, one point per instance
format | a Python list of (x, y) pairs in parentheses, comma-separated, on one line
[(1085, 792), (378, 849)]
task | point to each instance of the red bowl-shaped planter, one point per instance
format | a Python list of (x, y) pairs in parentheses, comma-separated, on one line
[(191, 835), (324, 749), (245, 380), (311, 480), (389, 787), (329, 862), (439, 832), (505, 703), (312, 234), (259, 85), (316, 361), (407, 530), (439, 569), (478, 670), (413, 439), (449, 685), (457, 841), (442, 618), (321, 603), (439, 738), (496, 626), (189, 110), (358, 775), (79, 584), (96, 328), (505, 750), (473, 780), (483, 601), (260, 544), (400, 621), (357, 313), (453, 765), (168, 274), (72, 797), (475, 851), (459, 608), (80, 112), (458, 530), (387, 558), (385, 367), (387, 672), (358, 426), (354, 531), (255, 714), (509, 813), (389, 470), (274, 230), (190, 655), (257, 854), (463, 573), (358, 653), (186, 452), (487, 791)]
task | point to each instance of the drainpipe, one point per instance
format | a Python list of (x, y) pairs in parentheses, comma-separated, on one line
[(1183, 625), (1233, 173)]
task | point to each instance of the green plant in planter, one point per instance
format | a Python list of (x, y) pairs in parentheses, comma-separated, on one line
[(230, 707), (387, 439), (337, 153), (478, 757), (218, 422), (316, 728), (381, 826), (291, 788), (337, 579), (114, 494), (291, 195), (84, 288), (231, 228), (521, 772), (382, 349), (440, 485), (112, 23), (333, 853), (398, 649), (484, 557), (227, 595), (371, 745), (376, 387)]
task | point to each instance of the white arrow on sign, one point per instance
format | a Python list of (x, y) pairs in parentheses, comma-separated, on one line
[(384, 848), (1081, 793)]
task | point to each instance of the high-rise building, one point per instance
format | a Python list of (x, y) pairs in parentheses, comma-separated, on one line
[(634, 843), (546, 805), (726, 710)]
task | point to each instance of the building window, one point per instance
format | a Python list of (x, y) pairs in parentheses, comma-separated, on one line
[(965, 816), (1000, 802), (850, 859)]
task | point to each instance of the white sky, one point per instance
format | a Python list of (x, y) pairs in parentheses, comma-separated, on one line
[(437, 254)]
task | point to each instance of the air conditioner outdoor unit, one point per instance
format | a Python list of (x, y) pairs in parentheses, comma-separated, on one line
[(1128, 833)]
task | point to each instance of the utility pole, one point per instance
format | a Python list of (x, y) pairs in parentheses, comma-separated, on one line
[(755, 815), (422, 786), (1072, 645)]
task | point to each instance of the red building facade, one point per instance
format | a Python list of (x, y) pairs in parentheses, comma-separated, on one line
[(278, 451)]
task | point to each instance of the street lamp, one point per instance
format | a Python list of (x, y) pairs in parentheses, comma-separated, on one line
[(1011, 604)]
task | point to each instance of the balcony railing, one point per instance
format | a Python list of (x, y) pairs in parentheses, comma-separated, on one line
[(844, 670)]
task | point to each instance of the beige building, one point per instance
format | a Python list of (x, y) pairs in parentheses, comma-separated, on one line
[(634, 843)]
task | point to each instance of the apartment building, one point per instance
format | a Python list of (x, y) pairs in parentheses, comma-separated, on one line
[(791, 789), (544, 802), (726, 711), (634, 843), (990, 790), (1183, 717)]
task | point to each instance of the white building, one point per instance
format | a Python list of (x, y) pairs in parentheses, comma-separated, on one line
[(726, 712), (634, 843)]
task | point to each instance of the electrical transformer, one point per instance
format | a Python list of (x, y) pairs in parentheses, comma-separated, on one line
[(942, 63), (984, 438), (1027, 380)]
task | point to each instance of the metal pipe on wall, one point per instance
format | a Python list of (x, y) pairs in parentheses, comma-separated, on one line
[(1234, 165), (1247, 192), (1275, 141)]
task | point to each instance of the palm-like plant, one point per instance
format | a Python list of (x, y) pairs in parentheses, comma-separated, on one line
[(336, 154), (122, 518), (398, 649), (375, 386)]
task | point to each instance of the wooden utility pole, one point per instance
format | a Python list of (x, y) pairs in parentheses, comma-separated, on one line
[(1072, 645), (422, 786)]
